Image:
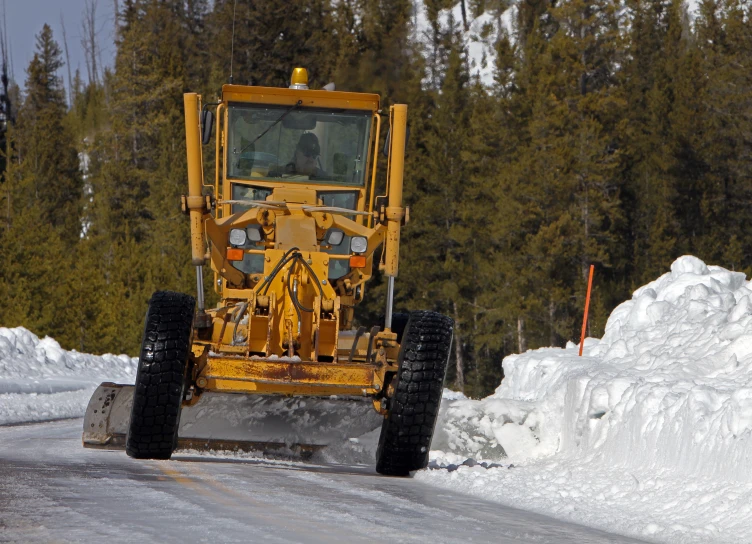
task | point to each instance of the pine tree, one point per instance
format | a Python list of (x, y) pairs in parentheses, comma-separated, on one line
[(42, 183), (484, 209), (44, 142), (272, 38), (443, 231), (721, 147), (492, 141), (567, 184), (36, 259), (654, 53), (374, 49), (137, 165)]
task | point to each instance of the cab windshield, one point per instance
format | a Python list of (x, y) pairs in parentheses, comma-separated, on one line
[(297, 144)]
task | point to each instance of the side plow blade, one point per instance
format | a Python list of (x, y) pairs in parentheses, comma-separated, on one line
[(237, 422)]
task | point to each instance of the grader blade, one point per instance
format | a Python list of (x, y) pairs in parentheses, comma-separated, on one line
[(237, 422)]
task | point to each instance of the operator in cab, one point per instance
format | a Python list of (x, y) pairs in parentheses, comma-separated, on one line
[(305, 161)]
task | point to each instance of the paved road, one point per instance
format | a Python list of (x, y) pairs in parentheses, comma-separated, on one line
[(53, 490)]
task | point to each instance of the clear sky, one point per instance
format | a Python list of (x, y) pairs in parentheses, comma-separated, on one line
[(25, 18)]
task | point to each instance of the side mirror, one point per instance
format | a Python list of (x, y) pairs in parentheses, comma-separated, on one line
[(388, 141), (385, 151), (207, 123)]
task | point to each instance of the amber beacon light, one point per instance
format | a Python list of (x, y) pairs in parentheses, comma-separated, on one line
[(299, 79)]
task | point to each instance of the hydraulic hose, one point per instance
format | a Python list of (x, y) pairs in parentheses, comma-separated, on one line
[(237, 317), (311, 272), (294, 296), (282, 262), (294, 255)]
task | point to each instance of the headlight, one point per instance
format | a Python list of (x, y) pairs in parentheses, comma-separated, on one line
[(237, 237), (334, 237), (254, 233), (358, 244)]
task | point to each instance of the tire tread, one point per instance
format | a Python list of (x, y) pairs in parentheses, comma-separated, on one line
[(408, 428), (161, 375)]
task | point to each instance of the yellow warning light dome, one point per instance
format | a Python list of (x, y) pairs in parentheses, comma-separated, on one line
[(299, 79)]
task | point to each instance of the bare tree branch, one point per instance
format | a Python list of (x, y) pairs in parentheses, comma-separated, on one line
[(89, 39), (67, 60)]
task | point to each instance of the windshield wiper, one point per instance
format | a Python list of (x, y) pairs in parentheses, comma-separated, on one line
[(296, 105)]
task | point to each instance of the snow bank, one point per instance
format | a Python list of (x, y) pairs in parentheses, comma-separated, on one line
[(649, 433), (40, 381)]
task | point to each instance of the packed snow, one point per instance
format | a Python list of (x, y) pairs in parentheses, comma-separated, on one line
[(40, 381), (648, 434)]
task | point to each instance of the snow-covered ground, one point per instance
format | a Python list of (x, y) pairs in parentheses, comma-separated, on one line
[(40, 381), (648, 434)]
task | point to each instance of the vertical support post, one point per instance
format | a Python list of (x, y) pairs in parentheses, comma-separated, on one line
[(195, 201), (395, 213), (587, 307)]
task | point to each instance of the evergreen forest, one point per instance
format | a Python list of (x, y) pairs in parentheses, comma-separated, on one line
[(616, 133)]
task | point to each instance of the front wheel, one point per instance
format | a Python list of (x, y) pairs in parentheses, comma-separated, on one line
[(414, 407), (161, 376)]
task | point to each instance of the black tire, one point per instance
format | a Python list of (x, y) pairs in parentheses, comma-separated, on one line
[(413, 409), (161, 376)]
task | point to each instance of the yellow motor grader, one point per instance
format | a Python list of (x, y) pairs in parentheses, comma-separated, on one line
[(290, 225)]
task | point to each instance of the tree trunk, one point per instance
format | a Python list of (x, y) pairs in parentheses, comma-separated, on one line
[(89, 39), (551, 314), (67, 62), (460, 364), (464, 14), (521, 340)]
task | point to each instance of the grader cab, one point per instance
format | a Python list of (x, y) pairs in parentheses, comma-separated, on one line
[(290, 225)]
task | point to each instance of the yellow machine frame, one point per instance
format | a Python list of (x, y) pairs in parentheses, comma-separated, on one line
[(285, 351)]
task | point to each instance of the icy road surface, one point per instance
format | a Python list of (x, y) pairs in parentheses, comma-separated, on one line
[(51, 489)]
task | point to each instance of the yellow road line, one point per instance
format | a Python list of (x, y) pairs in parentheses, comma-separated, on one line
[(190, 483), (221, 490)]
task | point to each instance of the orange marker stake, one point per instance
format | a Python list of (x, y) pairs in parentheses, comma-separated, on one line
[(587, 307)]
